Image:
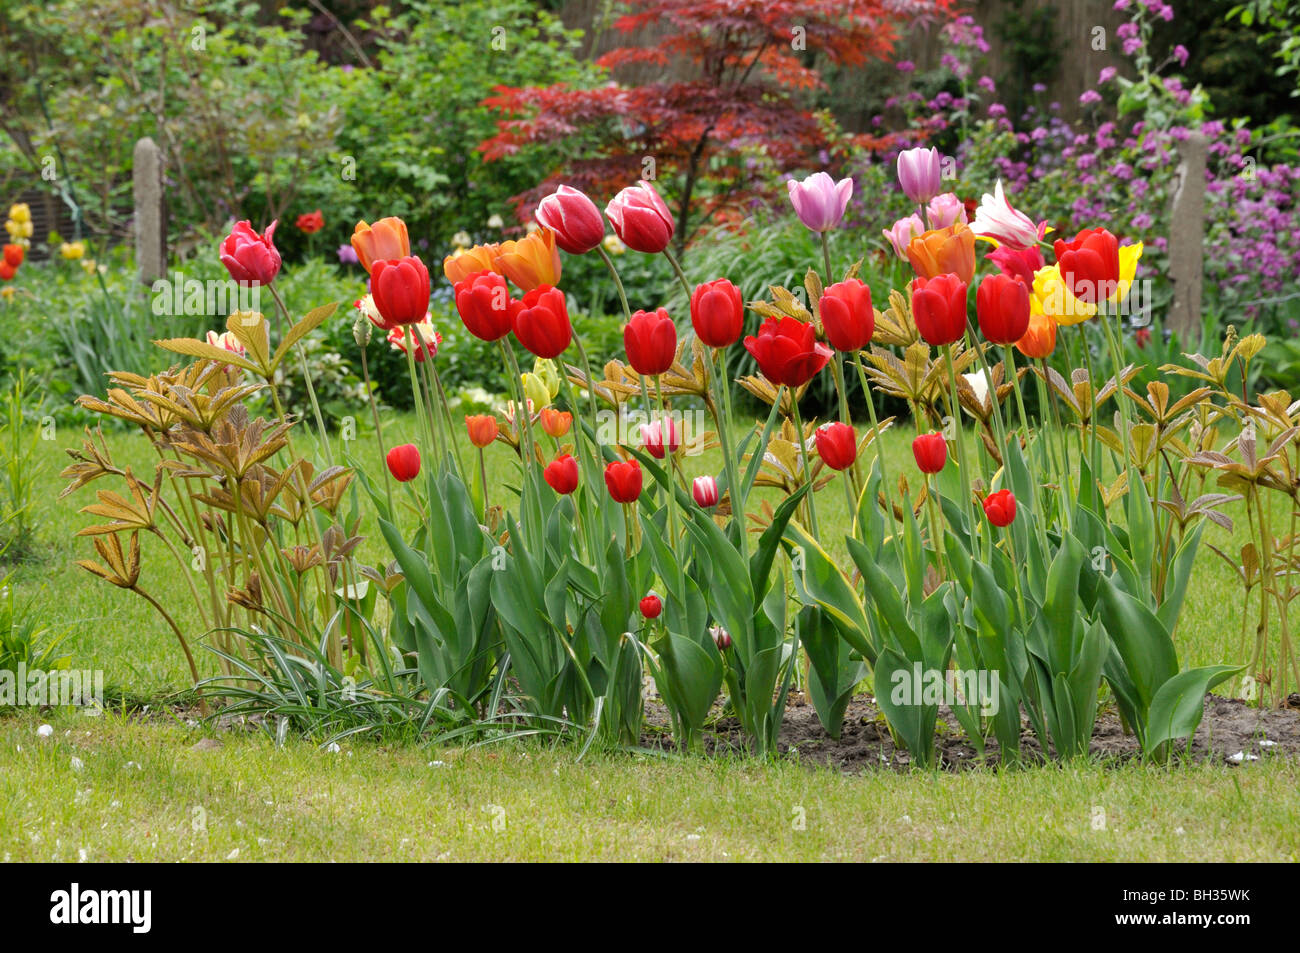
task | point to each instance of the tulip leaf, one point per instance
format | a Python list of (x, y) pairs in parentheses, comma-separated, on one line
[(1179, 703)]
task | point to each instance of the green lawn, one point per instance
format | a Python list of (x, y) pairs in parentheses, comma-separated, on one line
[(140, 789)]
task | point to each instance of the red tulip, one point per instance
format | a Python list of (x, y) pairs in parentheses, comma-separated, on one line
[(251, 256), (400, 290), (641, 219), (404, 462), (311, 222), (484, 303), (1000, 507), (623, 480), (573, 218), (837, 445), (787, 351), (562, 474), (931, 452), (650, 339), (651, 606), (939, 309), (7, 271), (1002, 307), (847, 316), (541, 322), (705, 491), (1090, 264), (14, 255), (717, 313)]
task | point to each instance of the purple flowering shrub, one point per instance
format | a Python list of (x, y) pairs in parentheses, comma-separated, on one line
[(1117, 167)]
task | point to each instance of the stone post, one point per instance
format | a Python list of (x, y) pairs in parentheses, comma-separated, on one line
[(150, 212), (1187, 240)]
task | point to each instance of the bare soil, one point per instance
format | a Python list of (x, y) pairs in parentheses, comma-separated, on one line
[(1231, 732)]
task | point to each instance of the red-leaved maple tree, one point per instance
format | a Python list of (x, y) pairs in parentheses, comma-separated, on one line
[(730, 110)]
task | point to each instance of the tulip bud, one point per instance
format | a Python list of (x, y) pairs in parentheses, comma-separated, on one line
[(919, 174), (705, 491), (404, 462), (1000, 507), (556, 423), (541, 322), (561, 474), (650, 339), (482, 429), (573, 218), (361, 328), (939, 309), (641, 219), (819, 200), (847, 315), (930, 451), (1002, 308), (651, 606), (721, 637), (837, 445), (717, 313), (623, 480), (401, 291)]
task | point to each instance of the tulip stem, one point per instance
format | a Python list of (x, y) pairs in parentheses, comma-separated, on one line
[(666, 443), (618, 282), (306, 376), (826, 258), (728, 458), (379, 430), (681, 275), (446, 414), (524, 416), (807, 467), (876, 442), (954, 408), (425, 425)]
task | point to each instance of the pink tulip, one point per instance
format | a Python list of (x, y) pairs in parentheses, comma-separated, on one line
[(904, 230), (820, 201), (919, 174), (705, 491), (573, 218), (641, 219), (945, 209), (251, 256)]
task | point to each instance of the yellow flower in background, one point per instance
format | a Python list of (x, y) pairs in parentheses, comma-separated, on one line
[(20, 212), (1053, 299), (536, 391), (7, 292), (1129, 255), (88, 266), (614, 245), (71, 251)]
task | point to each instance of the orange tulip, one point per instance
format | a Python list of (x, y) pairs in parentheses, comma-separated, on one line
[(470, 261), (556, 423), (530, 262), (386, 240), (944, 251), (482, 429), (1040, 340)]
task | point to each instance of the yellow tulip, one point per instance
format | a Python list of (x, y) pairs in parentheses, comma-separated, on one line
[(1128, 263), (536, 391), (71, 251), (1053, 299)]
